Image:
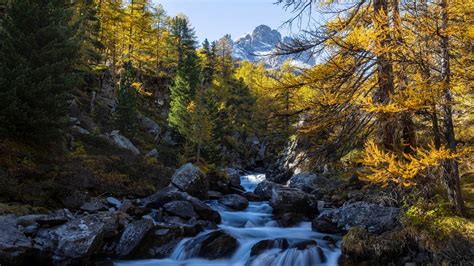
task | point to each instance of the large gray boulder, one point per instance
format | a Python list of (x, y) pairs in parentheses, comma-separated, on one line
[(181, 209), (291, 205), (15, 247), (264, 189), (147, 124), (375, 218), (122, 142), (73, 241), (308, 181), (189, 178), (132, 237), (234, 201)]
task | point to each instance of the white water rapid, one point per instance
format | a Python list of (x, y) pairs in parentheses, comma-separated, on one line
[(249, 227)]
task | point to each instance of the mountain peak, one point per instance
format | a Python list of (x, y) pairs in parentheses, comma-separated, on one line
[(261, 43)]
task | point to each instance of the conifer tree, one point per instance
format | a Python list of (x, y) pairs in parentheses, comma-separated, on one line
[(126, 111), (39, 52)]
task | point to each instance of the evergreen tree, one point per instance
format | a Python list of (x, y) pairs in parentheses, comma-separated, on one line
[(126, 112), (39, 52)]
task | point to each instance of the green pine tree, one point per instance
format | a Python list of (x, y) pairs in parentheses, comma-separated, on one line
[(39, 52), (126, 111)]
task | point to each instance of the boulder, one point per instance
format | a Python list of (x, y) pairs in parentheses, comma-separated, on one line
[(213, 245), (180, 208), (132, 237), (308, 181), (171, 193), (15, 247), (114, 202), (151, 127), (75, 199), (94, 205), (302, 245), (211, 194), (250, 196), (56, 218), (152, 154), (293, 200), (264, 189), (322, 225), (374, 218), (266, 244), (73, 241), (122, 142), (234, 201), (189, 178)]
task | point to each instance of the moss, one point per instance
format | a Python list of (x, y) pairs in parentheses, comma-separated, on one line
[(20, 210)]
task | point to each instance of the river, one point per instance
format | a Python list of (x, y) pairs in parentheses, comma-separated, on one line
[(249, 227)]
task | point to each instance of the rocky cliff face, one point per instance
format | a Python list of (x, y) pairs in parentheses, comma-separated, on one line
[(260, 45)]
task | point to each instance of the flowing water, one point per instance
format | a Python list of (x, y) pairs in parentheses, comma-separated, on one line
[(249, 227)]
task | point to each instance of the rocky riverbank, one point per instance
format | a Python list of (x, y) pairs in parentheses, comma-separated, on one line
[(100, 230)]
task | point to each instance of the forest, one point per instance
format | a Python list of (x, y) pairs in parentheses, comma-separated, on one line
[(126, 141)]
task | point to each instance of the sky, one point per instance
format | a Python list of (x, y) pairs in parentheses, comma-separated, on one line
[(213, 19)]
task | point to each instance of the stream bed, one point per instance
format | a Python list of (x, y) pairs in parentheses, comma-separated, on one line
[(249, 227)]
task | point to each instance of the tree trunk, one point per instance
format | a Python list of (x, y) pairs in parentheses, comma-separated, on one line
[(385, 74), (451, 174)]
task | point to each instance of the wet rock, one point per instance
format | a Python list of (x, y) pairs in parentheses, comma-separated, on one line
[(330, 241), (180, 208), (122, 142), (264, 189), (373, 217), (266, 244), (234, 201), (94, 205), (73, 241), (189, 178), (214, 245), (305, 244), (15, 247), (133, 236), (293, 200), (31, 219), (58, 217), (250, 196), (322, 225)]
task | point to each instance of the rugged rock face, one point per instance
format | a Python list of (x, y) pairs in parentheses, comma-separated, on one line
[(291, 205), (189, 178), (265, 189), (122, 142), (258, 45), (372, 217), (234, 201)]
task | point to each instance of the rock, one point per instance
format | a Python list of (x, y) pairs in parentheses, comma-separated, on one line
[(132, 237), (234, 176), (15, 247), (293, 200), (171, 193), (73, 241), (122, 142), (152, 154), (324, 226), (330, 241), (375, 218), (308, 181), (264, 189), (150, 126), (114, 202), (74, 200), (213, 245), (250, 196), (234, 201), (94, 205), (302, 245), (287, 219), (180, 208), (30, 219), (189, 178), (266, 244), (58, 217), (211, 194), (80, 130)]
